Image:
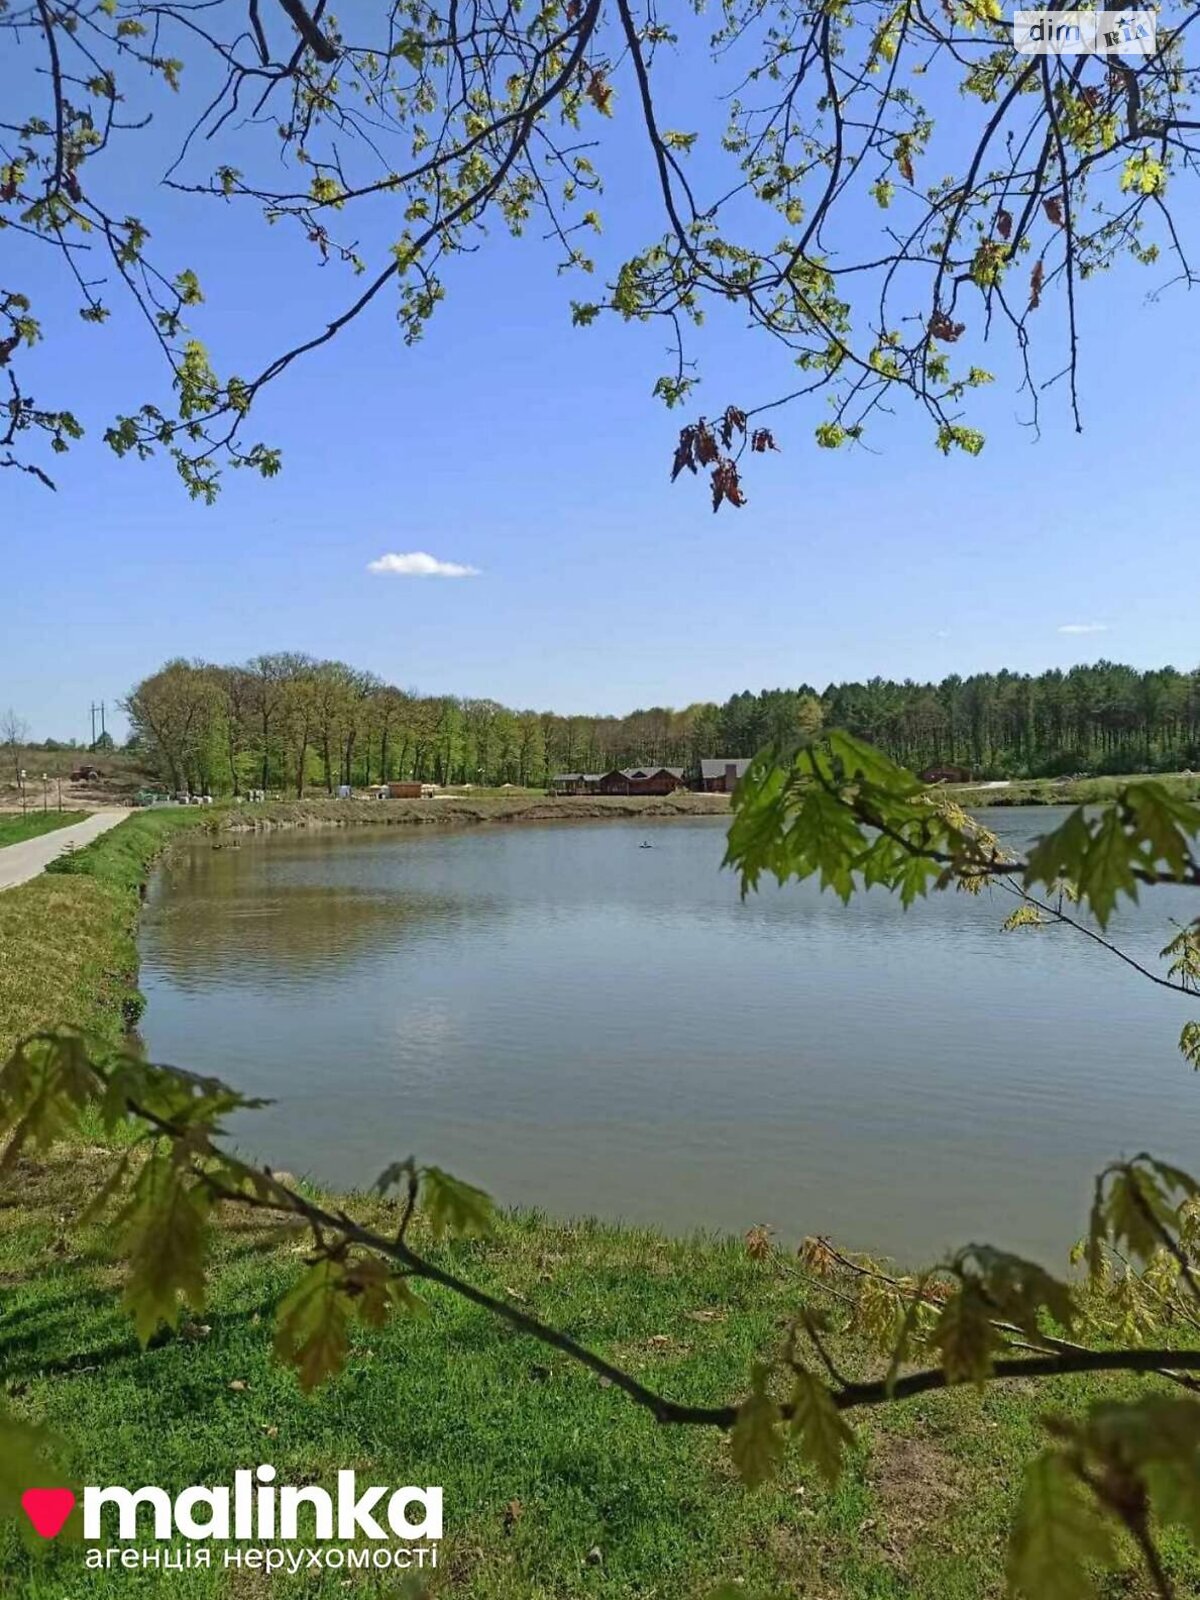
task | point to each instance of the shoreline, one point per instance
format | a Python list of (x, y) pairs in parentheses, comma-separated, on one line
[(460, 811), (68, 937), (1065, 791)]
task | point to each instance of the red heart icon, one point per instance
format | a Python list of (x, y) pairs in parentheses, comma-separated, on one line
[(48, 1509)]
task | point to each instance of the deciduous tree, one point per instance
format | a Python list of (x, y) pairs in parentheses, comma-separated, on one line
[(874, 187)]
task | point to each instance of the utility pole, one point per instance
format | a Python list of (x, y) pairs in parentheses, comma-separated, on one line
[(96, 711)]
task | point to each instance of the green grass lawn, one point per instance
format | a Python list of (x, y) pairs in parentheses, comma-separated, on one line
[(542, 1465), (68, 952), (15, 828), (1072, 791)]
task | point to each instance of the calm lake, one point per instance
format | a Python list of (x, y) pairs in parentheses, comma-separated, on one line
[(582, 1025)]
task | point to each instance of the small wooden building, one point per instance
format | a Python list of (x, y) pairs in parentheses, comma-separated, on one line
[(575, 783), (642, 780), (945, 772), (721, 774), (404, 791)]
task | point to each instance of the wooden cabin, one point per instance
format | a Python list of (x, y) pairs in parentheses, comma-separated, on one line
[(642, 780), (945, 772), (722, 773)]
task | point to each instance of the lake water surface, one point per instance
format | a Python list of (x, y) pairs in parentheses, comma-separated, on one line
[(582, 1025)]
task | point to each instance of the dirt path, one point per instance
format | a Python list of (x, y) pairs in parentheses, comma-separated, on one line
[(20, 862)]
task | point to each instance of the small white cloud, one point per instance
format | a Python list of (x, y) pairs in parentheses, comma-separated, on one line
[(1084, 627), (417, 564)]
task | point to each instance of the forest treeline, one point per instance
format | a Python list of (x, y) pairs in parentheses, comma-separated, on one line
[(288, 721)]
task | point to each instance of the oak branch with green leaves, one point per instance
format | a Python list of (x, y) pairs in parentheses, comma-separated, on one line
[(835, 809), (876, 187)]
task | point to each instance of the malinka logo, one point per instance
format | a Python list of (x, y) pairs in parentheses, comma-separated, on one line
[(253, 1509)]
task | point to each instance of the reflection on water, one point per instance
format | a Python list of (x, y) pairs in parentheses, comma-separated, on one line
[(582, 1025)]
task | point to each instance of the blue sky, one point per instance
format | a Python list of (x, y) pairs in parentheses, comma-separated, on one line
[(512, 443)]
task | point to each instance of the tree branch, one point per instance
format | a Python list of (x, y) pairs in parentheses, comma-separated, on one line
[(319, 43)]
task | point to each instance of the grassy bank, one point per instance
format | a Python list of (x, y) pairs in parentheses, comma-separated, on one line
[(1070, 791), (67, 938), (556, 1487), (467, 810), (463, 809), (15, 828)]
